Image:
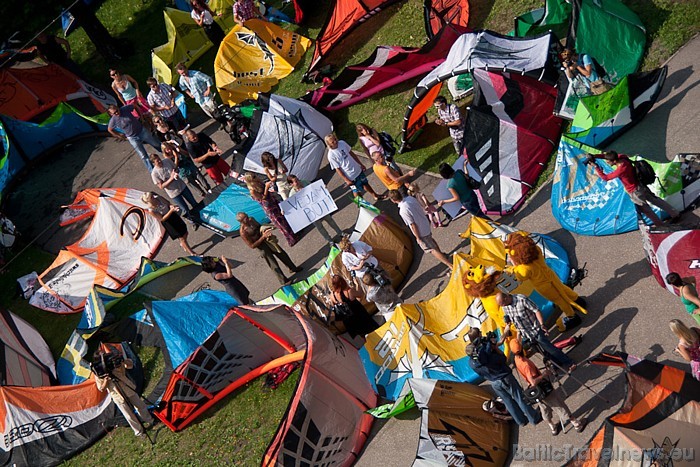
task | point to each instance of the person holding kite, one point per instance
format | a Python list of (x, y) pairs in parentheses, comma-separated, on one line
[(529, 265)]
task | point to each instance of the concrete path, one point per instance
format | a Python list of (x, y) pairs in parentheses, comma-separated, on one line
[(628, 310)]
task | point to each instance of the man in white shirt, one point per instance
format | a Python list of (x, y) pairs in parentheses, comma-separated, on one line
[(414, 217), (347, 165)]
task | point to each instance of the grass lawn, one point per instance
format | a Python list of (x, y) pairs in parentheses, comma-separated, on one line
[(238, 430)]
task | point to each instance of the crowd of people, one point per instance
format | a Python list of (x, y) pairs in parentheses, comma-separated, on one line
[(181, 153)]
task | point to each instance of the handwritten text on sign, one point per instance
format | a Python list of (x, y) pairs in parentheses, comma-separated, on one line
[(308, 205)]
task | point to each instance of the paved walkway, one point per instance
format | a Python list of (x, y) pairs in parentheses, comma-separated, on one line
[(628, 310)]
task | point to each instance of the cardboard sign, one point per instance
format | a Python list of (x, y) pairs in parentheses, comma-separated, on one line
[(308, 205)]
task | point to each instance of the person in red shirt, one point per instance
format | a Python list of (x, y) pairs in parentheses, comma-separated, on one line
[(553, 401), (639, 193)]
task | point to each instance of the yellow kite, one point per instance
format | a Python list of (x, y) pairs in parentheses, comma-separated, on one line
[(254, 57)]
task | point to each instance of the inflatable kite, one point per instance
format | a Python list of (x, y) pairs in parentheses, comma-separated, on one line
[(220, 214), (291, 130), (440, 13), (386, 67), (667, 252), (659, 420), (428, 339), (109, 253), (187, 42), (253, 58), (587, 205), (486, 50)]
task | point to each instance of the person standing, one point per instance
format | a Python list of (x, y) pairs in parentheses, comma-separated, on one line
[(490, 363), (458, 186), (54, 49), (123, 393), (688, 345), (186, 168), (127, 90), (161, 98), (528, 320), (261, 193), (413, 216), (389, 177), (639, 193), (295, 186), (204, 17), (132, 130), (552, 402), (171, 221), (265, 242), (197, 86), (204, 150), (166, 177), (347, 165), (220, 270), (243, 10), (687, 292), (450, 116)]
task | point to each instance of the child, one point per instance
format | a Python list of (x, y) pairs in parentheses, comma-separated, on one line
[(430, 210)]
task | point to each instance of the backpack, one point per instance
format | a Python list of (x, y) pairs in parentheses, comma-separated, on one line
[(388, 144), (644, 172)]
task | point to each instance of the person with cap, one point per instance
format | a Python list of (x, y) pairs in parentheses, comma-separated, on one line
[(490, 363), (551, 401)]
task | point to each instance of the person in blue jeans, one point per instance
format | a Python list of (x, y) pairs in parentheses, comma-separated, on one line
[(131, 130), (528, 320), (458, 186), (490, 363)]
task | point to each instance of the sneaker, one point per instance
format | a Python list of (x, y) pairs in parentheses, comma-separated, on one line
[(556, 429), (581, 425)]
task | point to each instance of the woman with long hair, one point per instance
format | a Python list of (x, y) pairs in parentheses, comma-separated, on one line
[(186, 168), (168, 216), (348, 309), (261, 193), (204, 17), (127, 90), (688, 345)]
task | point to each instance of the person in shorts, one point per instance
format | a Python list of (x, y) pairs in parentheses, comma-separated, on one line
[(347, 165), (414, 217)]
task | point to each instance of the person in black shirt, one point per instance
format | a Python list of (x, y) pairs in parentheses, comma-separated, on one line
[(56, 50), (220, 270), (490, 363), (205, 151)]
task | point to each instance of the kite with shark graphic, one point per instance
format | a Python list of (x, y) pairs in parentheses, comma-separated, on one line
[(428, 339), (253, 58)]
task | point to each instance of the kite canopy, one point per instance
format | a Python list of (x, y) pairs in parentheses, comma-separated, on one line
[(533, 57), (599, 120), (25, 358), (619, 51), (585, 204), (672, 252), (509, 135), (109, 253), (253, 58), (220, 214), (344, 16), (186, 43), (386, 67), (46, 425), (455, 430), (440, 13), (659, 419), (291, 130), (427, 339)]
